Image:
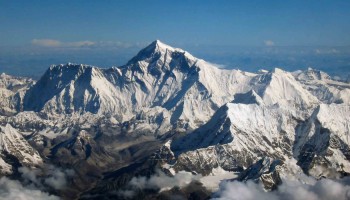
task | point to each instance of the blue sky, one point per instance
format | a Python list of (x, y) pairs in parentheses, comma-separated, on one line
[(227, 22), (54, 27)]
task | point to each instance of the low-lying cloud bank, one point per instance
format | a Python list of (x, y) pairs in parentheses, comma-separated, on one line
[(159, 181), (51, 176), (35, 183), (162, 181), (324, 189), (10, 189)]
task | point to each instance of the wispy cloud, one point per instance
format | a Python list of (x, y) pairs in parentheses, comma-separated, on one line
[(11, 189), (269, 43), (46, 42), (327, 51), (80, 44), (57, 43), (159, 181), (35, 183), (295, 185), (54, 177), (323, 189), (51, 43)]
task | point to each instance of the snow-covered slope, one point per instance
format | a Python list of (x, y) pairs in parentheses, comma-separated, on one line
[(236, 136), (322, 86), (240, 134), (14, 146), (163, 89), (282, 120), (280, 87), (159, 76), (72, 88), (11, 93), (211, 119)]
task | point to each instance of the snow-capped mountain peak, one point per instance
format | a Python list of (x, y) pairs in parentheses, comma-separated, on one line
[(158, 76), (322, 86), (313, 74), (159, 57), (190, 89), (215, 119), (281, 88)]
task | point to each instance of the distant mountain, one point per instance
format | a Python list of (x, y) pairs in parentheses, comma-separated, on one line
[(12, 90)]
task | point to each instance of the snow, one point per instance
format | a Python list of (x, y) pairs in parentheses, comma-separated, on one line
[(12, 90), (232, 117), (175, 80), (163, 77), (323, 87), (14, 143), (277, 120), (284, 90), (336, 117)]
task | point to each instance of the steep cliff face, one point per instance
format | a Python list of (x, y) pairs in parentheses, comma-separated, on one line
[(16, 151), (12, 90)]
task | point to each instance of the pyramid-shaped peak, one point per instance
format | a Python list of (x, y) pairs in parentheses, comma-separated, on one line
[(312, 74), (158, 49), (158, 45), (278, 71), (158, 42)]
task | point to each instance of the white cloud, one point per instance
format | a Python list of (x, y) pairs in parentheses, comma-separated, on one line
[(10, 189), (269, 43), (51, 43), (159, 181), (58, 177), (162, 181), (295, 185), (51, 176), (46, 42), (324, 189), (57, 43), (30, 175), (327, 51), (80, 44), (35, 183)]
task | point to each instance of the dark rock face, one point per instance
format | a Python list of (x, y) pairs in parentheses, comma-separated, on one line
[(265, 170)]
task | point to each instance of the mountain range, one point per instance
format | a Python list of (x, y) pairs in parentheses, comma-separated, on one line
[(167, 115)]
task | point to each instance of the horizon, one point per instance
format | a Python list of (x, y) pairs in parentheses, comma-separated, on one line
[(237, 34), (246, 61)]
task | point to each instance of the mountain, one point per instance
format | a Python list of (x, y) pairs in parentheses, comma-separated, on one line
[(15, 151), (159, 77), (280, 87), (324, 87), (165, 113), (240, 134), (12, 90)]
